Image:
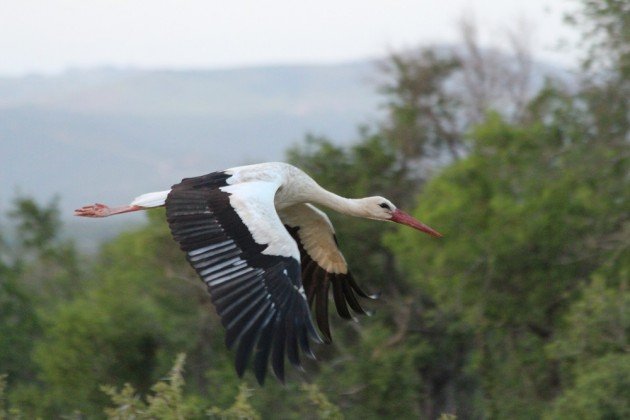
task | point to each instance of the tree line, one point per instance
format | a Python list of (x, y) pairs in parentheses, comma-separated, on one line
[(520, 311)]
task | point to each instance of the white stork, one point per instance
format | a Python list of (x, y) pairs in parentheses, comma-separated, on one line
[(266, 254)]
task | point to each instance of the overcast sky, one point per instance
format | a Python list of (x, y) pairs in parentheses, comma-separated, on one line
[(44, 36)]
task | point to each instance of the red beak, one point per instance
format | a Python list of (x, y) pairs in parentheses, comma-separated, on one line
[(404, 219)]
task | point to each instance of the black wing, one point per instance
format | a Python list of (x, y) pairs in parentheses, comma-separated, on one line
[(259, 297), (323, 264)]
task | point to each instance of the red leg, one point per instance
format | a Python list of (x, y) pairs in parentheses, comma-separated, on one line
[(101, 210)]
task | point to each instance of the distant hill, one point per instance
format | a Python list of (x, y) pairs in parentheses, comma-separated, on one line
[(110, 135)]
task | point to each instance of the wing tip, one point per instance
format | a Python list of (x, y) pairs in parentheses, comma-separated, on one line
[(374, 296)]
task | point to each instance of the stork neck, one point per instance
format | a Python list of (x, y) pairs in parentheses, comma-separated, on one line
[(335, 202)]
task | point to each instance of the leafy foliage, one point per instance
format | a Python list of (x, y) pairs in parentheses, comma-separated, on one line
[(19, 325), (165, 402), (520, 311), (600, 391), (241, 409)]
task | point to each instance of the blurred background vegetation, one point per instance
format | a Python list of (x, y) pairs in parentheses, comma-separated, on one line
[(521, 311)]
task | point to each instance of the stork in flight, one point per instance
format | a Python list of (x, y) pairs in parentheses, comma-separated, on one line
[(266, 254)]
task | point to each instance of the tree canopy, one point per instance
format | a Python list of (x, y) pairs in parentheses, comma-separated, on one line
[(521, 310)]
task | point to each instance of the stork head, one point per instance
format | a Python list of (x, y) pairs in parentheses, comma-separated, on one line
[(380, 208)]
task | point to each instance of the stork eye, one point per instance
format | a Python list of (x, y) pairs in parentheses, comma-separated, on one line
[(385, 206)]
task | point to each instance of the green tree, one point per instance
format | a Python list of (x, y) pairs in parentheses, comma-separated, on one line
[(525, 223), (34, 266), (20, 324), (421, 113), (420, 124), (125, 327), (166, 400), (520, 311), (47, 264), (600, 391), (604, 28)]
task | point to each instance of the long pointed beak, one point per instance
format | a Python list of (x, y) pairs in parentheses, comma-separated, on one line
[(403, 218)]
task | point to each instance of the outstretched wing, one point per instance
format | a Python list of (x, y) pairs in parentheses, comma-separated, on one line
[(235, 241), (323, 264)]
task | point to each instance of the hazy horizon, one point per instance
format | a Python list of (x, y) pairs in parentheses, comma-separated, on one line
[(171, 35)]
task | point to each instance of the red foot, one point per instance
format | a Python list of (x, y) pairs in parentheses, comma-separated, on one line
[(101, 210), (95, 210)]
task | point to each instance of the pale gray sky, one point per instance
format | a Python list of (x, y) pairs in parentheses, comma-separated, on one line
[(44, 36)]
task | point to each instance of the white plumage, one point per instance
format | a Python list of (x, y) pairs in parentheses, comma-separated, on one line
[(266, 253), (253, 201), (153, 199)]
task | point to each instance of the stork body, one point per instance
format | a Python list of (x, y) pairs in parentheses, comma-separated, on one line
[(266, 253)]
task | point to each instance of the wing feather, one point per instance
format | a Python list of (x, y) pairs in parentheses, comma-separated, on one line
[(323, 264), (236, 242), (263, 348)]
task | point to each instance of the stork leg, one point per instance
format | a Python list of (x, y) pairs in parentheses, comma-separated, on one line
[(101, 210)]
